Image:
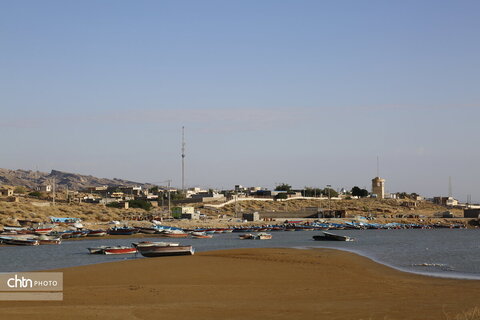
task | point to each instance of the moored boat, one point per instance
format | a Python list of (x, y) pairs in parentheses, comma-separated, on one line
[(201, 235), (327, 236), (124, 231), (263, 236), (96, 233), (20, 241), (161, 251), (154, 243), (119, 250)]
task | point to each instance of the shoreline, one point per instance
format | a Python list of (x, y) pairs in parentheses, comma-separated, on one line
[(271, 283)]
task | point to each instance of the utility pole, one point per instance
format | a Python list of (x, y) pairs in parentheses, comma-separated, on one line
[(329, 204), (183, 160), (53, 191), (168, 192)]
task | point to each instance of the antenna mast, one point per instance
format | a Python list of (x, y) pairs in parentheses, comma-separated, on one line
[(183, 159), (378, 167), (450, 187)]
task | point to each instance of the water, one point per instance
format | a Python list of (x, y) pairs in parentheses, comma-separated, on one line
[(441, 252)]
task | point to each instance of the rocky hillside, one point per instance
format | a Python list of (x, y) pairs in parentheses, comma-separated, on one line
[(73, 181)]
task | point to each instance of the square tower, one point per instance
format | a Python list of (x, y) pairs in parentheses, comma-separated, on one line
[(378, 187)]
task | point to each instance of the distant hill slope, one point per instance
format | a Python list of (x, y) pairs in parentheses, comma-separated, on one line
[(73, 181)]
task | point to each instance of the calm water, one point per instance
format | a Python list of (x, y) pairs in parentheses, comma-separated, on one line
[(443, 252)]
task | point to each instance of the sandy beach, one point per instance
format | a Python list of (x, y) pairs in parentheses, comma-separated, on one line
[(251, 283)]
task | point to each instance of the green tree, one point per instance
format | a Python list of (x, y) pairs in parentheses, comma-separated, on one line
[(283, 187), (357, 192), (142, 204), (35, 194), (312, 192), (20, 190), (281, 195), (329, 192)]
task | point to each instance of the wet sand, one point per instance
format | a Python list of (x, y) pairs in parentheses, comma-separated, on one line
[(254, 284)]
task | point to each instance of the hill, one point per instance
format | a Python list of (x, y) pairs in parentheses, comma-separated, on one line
[(63, 180)]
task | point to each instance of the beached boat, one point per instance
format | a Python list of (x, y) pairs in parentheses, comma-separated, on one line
[(20, 241), (161, 251), (147, 230), (96, 233), (124, 231), (119, 250), (49, 240), (174, 233), (327, 236), (201, 235), (154, 243), (97, 250)]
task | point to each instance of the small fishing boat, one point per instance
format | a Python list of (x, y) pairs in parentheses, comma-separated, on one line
[(174, 233), (263, 236), (147, 230), (124, 231), (327, 236), (161, 251), (154, 243), (201, 235), (119, 250), (97, 250), (247, 236), (49, 240), (20, 241), (96, 233)]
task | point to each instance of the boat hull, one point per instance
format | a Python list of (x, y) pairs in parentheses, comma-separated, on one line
[(162, 251)]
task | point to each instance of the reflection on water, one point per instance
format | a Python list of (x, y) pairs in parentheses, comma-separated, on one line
[(442, 252)]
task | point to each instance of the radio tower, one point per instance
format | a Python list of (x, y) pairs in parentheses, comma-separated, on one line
[(183, 159)]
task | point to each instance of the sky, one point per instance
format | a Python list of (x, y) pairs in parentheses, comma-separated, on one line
[(302, 92)]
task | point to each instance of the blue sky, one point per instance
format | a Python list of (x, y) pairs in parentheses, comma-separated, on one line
[(303, 92)]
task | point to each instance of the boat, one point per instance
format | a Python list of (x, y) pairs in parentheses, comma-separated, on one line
[(97, 250), (49, 240), (147, 230), (119, 250), (96, 233), (263, 236), (161, 251), (154, 243), (247, 236), (174, 233), (201, 235), (124, 231), (20, 241), (327, 236)]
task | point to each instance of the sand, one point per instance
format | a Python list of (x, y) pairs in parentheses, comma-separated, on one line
[(253, 284)]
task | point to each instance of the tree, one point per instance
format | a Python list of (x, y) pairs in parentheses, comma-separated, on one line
[(283, 187), (312, 192), (19, 190), (282, 195), (357, 192), (35, 194), (329, 192), (142, 204)]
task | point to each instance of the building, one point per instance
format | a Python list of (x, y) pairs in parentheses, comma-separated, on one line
[(177, 212), (6, 192), (471, 213), (445, 201), (251, 216), (378, 187), (45, 188), (191, 216)]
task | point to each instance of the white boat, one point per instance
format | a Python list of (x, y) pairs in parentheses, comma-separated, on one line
[(155, 243)]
